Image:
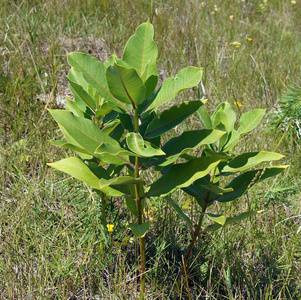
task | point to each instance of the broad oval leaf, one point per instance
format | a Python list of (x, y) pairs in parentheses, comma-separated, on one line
[(73, 107), (205, 118), (223, 220), (245, 181), (231, 117), (187, 78), (94, 73), (67, 145), (82, 98), (250, 120), (81, 87), (186, 142), (248, 160), (139, 230), (136, 144), (125, 84), (141, 51), (182, 175), (83, 131), (77, 169), (171, 117)]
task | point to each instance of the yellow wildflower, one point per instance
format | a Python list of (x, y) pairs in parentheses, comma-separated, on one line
[(238, 104), (215, 8), (236, 44), (231, 18), (110, 227), (249, 39)]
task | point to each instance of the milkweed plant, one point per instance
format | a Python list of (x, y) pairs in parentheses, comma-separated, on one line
[(114, 124)]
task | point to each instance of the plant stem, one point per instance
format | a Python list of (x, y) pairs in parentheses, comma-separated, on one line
[(198, 228), (140, 215), (196, 233)]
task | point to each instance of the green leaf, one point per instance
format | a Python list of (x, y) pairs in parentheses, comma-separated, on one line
[(73, 107), (67, 145), (170, 118), (109, 127), (112, 60), (220, 117), (220, 219), (247, 122), (205, 118), (121, 180), (103, 110), (112, 149), (233, 140), (250, 120), (113, 154), (243, 182), (77, 77), (113, 159), (141, 51), (213, 227), (139, 230), (187, 78), (182, 175), (197, 190), (77, 169), (217, 189), (94, 73), (132, 206), (179, 211), (83, 131), (150, 83), (127, 122), (125, 84), (136, 144), (248, 160), (186, 142), (231, 117), (84, 99), (242, 216), (223, 220)]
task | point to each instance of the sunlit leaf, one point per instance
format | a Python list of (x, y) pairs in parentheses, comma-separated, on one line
[(171, 118), (125, 84), (182, 175), (94, 73), (187, 78), (246, 161)]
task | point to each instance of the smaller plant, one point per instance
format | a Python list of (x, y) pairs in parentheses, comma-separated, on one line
[(217, 185)]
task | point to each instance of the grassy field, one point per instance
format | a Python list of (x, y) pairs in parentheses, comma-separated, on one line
[(50, 224)]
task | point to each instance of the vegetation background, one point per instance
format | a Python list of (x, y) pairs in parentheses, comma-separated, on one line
[(50, 224)]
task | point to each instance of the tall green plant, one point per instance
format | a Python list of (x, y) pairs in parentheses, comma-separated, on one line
[(114, 125)]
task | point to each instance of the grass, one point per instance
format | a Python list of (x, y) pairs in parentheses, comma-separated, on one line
[(52, 245)]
